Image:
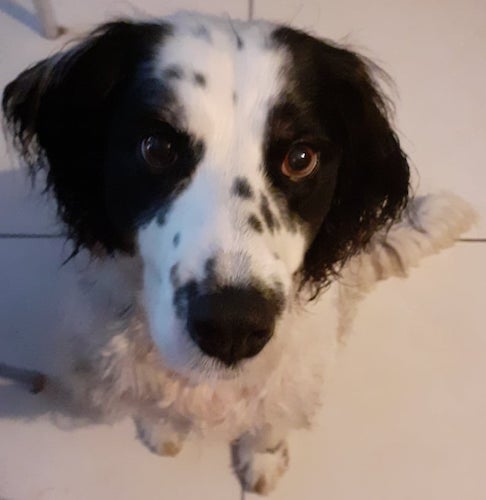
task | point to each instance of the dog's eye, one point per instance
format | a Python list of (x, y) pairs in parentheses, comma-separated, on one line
[(158, 152), (299, 162)]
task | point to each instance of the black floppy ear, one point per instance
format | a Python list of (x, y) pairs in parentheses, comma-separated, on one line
[(59, 111), (373, 175)]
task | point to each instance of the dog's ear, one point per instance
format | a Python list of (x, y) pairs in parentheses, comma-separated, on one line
[(58, 113), (372, 186)]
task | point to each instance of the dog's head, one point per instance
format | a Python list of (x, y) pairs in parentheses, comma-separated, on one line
[(242, 162)]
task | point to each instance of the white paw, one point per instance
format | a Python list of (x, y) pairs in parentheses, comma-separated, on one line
[(259, 472), (159, 437)]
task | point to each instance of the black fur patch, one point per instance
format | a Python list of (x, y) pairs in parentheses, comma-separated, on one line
[(239, 42), (81, 116), (200, 80), (270, 220), (333, 104), (176, 239), (241, 188), (174, 275), (203, 33), (255, 223)]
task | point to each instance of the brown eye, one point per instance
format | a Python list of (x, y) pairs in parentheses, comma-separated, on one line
[(158, 152), (300, 161)]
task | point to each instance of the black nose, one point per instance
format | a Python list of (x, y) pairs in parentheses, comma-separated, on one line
[(233, 323)]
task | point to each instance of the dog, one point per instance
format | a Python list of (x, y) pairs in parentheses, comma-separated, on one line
[(219, 177)]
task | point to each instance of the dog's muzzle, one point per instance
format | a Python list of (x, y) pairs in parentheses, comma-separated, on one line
[(232, 323)]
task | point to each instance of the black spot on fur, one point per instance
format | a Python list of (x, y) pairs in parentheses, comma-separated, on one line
[(176, 240), (255, 223), (203, 33), (174, 276), (174, 73), (200, 80), (239, 42), (241, 187), (270, 220)]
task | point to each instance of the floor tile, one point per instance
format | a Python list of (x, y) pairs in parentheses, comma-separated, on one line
[(44, 456), (93, 11), (432, 50), (405, 411)]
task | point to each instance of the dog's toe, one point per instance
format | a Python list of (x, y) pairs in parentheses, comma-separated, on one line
[(260, 471), (160, 438), (170, 448)]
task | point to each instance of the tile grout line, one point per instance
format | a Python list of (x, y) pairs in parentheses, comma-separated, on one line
[(13, 236), (24, 236), (251, 9)]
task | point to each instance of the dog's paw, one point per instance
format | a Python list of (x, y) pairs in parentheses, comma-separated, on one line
[(259, 471), (159, 437)]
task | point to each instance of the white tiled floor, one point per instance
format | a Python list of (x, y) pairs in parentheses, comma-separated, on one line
[(405, 413)]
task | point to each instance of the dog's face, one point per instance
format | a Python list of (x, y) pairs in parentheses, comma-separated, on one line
[(241, 161)]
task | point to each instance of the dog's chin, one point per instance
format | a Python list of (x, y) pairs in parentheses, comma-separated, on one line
[(204, 369)]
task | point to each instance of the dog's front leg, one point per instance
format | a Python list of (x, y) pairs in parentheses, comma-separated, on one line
[(260, 458), (160, 434)]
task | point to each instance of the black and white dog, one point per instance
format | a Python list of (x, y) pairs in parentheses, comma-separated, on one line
[(220, 174)]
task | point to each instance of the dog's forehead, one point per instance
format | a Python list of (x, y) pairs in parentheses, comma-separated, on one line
[(225, 76)]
